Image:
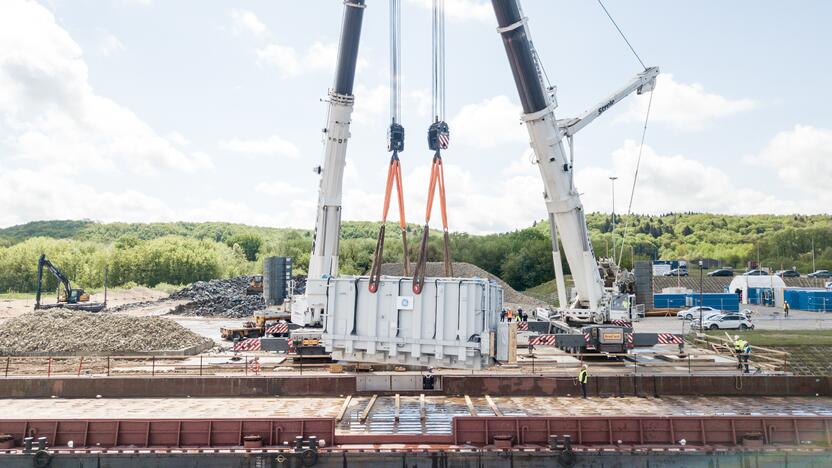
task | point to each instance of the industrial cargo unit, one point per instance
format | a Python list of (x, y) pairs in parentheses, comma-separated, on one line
[(722, 301), (452, 323)]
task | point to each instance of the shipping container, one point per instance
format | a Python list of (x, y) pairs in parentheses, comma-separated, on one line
[(452, 323), (723, 301), (809, 299)]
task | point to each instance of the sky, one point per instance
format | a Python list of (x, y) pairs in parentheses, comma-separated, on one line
[(207, 110)]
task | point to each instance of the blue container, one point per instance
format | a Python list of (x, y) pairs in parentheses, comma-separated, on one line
[(668, 301), (809, 299), (723, 301)]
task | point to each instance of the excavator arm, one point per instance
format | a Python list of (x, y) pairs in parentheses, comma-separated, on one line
[(43, 262)]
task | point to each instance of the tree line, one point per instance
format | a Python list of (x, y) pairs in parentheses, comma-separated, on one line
[(180, 253)]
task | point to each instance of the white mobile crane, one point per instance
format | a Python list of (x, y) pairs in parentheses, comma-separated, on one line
[(308, 310), (593, 302)]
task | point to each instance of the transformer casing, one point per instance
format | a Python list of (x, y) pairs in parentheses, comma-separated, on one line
[(450, 324)]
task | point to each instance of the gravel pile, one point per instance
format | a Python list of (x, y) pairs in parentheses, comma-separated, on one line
[(511, 298), (63, 331), (218, 298)]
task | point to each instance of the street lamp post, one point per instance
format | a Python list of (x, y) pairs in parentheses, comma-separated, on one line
[(612, 180), (701, 324)]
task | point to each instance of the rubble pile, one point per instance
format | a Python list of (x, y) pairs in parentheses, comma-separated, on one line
[(218, 298), (64, 331), (511, 297)]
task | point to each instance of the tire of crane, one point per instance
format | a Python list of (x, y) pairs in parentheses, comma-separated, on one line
[(309, 457), (567, 458), (42, 459)]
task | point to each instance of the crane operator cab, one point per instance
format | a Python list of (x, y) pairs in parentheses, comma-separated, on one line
[(622, 307), (76, 295)]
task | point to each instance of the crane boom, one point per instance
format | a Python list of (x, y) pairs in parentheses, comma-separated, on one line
[(323, 261), (566, 214), (641, 83)]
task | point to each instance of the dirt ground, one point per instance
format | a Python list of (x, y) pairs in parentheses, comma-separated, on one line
[(14, 307)]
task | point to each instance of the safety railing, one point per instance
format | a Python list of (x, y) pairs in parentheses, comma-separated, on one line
[(80, 366)]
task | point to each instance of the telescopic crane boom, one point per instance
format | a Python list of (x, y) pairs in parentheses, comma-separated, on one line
[(566, 214), (323, 262)]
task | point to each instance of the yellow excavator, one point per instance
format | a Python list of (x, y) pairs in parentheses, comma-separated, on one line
[(68, 297)]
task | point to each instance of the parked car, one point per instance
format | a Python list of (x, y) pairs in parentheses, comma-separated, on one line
[(693, 312), (820, 274), (788, 274), (721, 272), (755, 273), (725, 322), (677, 272)]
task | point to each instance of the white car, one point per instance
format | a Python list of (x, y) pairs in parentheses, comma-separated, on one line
[(726, 322), (693, 313)]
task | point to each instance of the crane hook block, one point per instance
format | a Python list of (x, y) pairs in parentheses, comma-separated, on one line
[(395, 137), (438, 136)]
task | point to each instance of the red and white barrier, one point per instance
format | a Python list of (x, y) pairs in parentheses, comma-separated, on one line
[(542, 340), (251, 344), (278, 328), (669, 338)]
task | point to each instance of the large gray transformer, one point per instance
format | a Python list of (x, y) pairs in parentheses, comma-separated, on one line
[(451, 324)]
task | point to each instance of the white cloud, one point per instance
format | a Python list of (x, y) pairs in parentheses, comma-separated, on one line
[(290, 62), (52, 116), (270, 146), (109, 45), (371, 103), (674, 183), (462, 10), (178, 139), (802, 158), (279, 188), (511, 198), (246, 21), (492, 122), (684, 106), (27, 198)]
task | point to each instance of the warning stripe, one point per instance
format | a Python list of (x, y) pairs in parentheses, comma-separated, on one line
[(630, 340), (588, 342), (623, 323), (522, 326), (278, 328), (251, 344), (669, 338), (542, 340)]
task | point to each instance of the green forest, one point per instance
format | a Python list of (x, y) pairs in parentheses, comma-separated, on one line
[(179, 253)]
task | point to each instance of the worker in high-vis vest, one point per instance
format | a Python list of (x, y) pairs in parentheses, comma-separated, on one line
[(583, 377), (739, 350)]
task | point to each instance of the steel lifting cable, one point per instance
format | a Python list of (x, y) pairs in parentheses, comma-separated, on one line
[(438, 140), (395, 144), (643, 133), (635, 178)]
